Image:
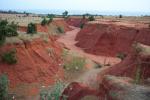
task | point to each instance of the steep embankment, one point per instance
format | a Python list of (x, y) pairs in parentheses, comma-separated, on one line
[(109, 39), (38, 61), (76, 21)]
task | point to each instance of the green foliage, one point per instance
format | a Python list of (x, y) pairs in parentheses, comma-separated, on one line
[(31, 28), (74, 64), (9, 57), (65, 14), (82, 25), (120, 16), (50, 20), (138, 75), (3, 87), (7, 29), (50, 16), (83, 16), (12, 30), (44, 22), (91, 18), (121, 55), (60, 29), (54, 93), (64, 54)]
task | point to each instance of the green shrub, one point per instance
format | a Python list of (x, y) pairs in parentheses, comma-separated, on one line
[(83, 16), (12, 30), (60, 29), (10, 57), (31, 28), (91, 18), (65, 14), (3, 87), (121, 55), (75, 63), (120, 16), (50, 16), (50, 20), (82, 25), (7, 29), (54, 93), (44, 22)]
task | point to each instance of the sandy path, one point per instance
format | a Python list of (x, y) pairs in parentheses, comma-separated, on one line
[(69, 41), (90, 76)]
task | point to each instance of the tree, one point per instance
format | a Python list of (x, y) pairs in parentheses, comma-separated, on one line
[(32, 28), (83, 16), (65, 14), (91, 18), (120, 16), (44, 22)]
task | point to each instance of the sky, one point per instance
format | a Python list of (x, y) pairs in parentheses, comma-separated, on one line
[(92, 5)]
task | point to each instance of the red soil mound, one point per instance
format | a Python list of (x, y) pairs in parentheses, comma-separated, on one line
[(63, 24), (110, 39), (22, 28), (128, 67), (36, 63), (39, 27), (76, 21)]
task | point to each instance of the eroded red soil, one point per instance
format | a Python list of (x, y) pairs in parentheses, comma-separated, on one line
[(109, 38)]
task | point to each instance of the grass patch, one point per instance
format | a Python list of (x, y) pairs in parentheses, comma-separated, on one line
[(54, 93), (74, 63), (60, 29)]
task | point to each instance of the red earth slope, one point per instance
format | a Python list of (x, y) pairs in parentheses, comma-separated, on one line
[(109, 39), (35, 62)]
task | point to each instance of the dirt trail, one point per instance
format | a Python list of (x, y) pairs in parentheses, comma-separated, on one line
[(88, 77), (69, 41)]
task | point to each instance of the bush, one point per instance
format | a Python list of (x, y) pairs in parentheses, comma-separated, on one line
[(50, 16), (50, 20), (44, 22), (7, 29), (12, 29), (32, 28), (82, 25), (120, 16), (75, 63), (54, 93), (60, 29), (91, 18), (121, 55), (10, 57), (3, 87)]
